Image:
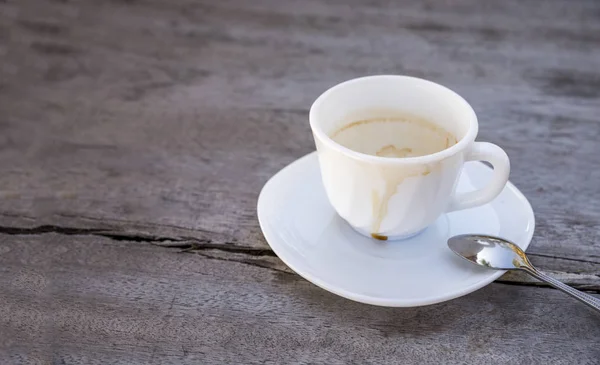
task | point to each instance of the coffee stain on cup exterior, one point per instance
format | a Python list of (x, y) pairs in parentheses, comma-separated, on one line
[(382, 210), (379, 237), (393, 180), (380, 206)]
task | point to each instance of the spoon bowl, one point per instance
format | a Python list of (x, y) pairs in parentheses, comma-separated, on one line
[(500, 254), (489, 251)]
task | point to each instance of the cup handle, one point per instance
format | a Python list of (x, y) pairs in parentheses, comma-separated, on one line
[(484, 151)]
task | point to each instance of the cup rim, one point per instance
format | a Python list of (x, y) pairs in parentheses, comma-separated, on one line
[(465, 141)]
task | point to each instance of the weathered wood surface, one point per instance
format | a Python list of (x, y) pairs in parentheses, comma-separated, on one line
[(127, 125), (94, 300)]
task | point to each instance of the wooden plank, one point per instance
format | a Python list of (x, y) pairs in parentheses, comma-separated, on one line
[(165, 121), (184, 111), (93, 300)]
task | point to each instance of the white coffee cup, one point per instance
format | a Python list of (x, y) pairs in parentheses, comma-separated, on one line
[(418, 189)]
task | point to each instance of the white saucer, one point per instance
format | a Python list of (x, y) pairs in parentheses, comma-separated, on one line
[(305, 232)]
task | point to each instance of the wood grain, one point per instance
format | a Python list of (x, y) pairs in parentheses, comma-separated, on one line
[(93, 300), (186, 110), (126, 125)]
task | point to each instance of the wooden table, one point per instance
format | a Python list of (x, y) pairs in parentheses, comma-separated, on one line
[(136, 135)]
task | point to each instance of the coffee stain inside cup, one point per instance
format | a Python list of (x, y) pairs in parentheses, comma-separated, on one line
[(393, 151), (397, 135)]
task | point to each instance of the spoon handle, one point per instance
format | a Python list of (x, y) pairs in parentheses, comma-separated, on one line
[(581, 296)]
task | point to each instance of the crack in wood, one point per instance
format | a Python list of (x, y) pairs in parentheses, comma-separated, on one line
[(72, 231), (207, 245), (243, 261), (508, 280), (588, 288), (194, 245), (562, 258), (185, 243)]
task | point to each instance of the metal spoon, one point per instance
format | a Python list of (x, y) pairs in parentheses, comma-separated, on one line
[(497, 253)]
